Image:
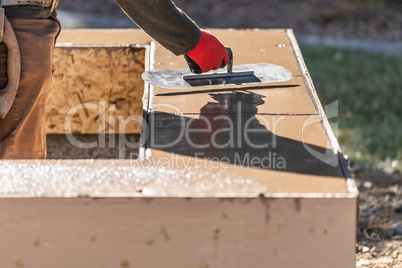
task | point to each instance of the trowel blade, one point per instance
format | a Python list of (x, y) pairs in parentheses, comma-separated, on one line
[(249, 74)]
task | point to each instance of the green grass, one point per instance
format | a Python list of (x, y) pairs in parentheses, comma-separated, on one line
[(369, 90)]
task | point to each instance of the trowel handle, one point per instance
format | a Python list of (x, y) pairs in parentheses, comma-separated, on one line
[(230, 63)]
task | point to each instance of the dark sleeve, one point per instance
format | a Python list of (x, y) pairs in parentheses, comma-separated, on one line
[(164, 22)]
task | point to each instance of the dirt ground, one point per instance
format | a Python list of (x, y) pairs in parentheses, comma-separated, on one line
[(379, 243), (380, 205)]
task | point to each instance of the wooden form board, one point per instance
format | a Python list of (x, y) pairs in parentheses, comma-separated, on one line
[(180, 207), (93, 86)]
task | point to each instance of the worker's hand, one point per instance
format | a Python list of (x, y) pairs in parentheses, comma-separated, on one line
[(209, 54)]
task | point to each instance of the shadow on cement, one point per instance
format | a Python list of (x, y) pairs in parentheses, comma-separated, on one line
[(218, 134)]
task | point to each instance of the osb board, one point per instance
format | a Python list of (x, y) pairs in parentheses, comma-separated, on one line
[(96, 89), (288, 98), (224, 113), (249, 47), (178, 232), (278, 153)]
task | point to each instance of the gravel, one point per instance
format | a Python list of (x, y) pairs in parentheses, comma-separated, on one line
[(380, 222)]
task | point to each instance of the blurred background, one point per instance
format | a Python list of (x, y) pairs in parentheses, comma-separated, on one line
[(353, 50)]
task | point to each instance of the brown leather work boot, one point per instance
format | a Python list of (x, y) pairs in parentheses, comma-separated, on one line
[(22, 132)]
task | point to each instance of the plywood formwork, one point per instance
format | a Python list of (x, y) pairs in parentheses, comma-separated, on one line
[(95, 82), (180, 206)]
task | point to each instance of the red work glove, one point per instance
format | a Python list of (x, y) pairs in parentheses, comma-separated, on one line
[(209, 54)]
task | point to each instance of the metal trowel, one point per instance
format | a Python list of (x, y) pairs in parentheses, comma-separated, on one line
[(248, 74)]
